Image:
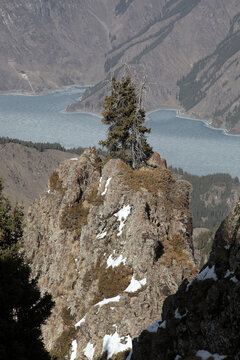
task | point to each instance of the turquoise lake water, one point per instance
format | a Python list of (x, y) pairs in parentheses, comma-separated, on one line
[(185, 143)]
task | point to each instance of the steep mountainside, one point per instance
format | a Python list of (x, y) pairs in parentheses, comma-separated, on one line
[(202, 320), (25, 170), (212, 198), (211, 87), (109, 245), (46, 45)]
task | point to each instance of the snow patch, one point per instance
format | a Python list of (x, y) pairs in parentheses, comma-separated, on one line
[(106, 186), (227, 247), (228, 273), (89, 351), (177, 357), (80, 322), (163, 324), (188, 286), (74, 159), (122, 217), (116, 262), (113, 345), (204, 355), (100, 182), (154, 327), (234, 279), (101, 235), (106, 301), (207, 273), (74, 350), (49, 191), (178, 315), (129, 355), (135, 285)]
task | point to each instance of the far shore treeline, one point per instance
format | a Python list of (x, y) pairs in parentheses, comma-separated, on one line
[(44, 146)]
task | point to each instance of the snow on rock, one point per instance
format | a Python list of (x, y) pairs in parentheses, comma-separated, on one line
[(204, 355), (100, 182), (89, 351), (80, 322), (106, 186), (113, 344), (227, 247), (234, 279), (116, 262), (135, 285), (228, 273), (129, 355), (178, 315), (188, 286), (74, 350), (154, 327), (122, 216), (177, 357), (163, 324), (101, 235), (207, 273), (106, 301), (74, 159)]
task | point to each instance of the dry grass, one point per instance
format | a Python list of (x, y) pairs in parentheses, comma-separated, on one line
[(93, 197), (63, 343), (56, 183), (113, 281), (74, 217), (151, 180)]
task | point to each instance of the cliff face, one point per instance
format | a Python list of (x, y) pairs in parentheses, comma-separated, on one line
[(201, 321), (109, 245)]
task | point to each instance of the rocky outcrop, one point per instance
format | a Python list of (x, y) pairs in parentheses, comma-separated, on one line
[(201, 321), (109, 244)]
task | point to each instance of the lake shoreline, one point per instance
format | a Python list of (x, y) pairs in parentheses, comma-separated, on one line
[(180, 113), (191, 145), (183, 115)]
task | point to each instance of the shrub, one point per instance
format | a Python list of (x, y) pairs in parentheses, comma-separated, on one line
[(56, 183)]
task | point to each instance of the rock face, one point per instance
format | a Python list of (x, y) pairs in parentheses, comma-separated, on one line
[(202, 319), (109, 244)]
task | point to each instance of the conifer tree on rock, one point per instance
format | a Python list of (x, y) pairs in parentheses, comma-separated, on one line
[(22, 309), (123, 112)]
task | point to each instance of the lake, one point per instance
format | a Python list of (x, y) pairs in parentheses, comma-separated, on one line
[(189, 144)]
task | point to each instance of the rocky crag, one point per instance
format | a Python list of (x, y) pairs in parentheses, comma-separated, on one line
[(201, 321), (109, 244)]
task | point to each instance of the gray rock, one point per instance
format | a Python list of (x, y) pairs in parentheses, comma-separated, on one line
[(110, 233)]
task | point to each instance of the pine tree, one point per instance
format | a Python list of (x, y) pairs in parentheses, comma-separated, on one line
[(125, 116), (22, 309)]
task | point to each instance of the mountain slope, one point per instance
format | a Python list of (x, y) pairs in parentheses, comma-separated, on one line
[(47, 45), (25, 170), (212, 85)]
